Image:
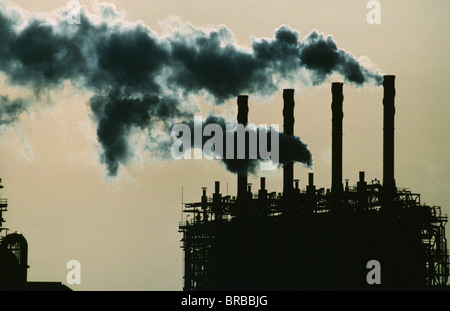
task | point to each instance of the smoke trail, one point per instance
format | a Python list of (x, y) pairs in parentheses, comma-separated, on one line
[(10, 110), (209, 62), (322, 57), (119, 114), (141, 80), (291, 148)]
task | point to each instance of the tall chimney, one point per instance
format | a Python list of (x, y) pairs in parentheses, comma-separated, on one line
[(217, 199), (311, 193), (204, 205), (288, 129), (242, 118), (361, 190), (336, 138), (217, 187), (388, 136), (262, 197)]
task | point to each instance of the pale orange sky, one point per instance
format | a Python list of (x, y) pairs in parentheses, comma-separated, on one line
[(125, 234)]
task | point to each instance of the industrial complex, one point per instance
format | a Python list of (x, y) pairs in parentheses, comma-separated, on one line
[(316, 238)]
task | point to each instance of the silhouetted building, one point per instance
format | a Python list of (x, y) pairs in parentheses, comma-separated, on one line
[(317, 239), (14, 261)]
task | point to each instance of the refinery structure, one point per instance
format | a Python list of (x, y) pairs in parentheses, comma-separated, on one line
[(316, 238), (14, 260)]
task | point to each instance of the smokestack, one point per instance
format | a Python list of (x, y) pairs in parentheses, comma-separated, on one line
[(310, 188), (242, 118), (361, 189), (204, 203), (362, 175), (311, 193), (217, 187), (336, 135), (288, 129), (262, 192), (311, 179), (388, 136), (217, 199)]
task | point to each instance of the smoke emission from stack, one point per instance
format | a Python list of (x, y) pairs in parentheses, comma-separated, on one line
[(388, 136), (288, 128), (336, 137), (291, 148), (141, 81)]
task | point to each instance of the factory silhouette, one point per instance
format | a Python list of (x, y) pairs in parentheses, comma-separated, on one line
[(316, 238), (300, 239), (14, 261)]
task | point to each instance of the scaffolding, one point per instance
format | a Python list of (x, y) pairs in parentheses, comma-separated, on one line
[(207, 225), (3, 209), (316, 238)]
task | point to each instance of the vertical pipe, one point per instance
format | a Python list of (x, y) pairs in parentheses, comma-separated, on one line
[(361, 189), (217, 199), (336, 139), (217, 187), (262, 192), (362, 175), (311, 193), (242, 118), (388, 135), (288, 129), (311, 179), (204, 205)]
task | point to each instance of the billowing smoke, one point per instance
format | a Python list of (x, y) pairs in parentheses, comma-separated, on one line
[(141, 81), (117, 114), (210, 62), (290, 148), (11, 109)]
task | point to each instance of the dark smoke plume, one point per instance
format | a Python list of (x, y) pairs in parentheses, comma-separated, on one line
[(141, 81), (291, 148), (118, 114), (10, 110)]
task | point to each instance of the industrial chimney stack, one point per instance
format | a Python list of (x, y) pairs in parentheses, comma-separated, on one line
[(336, 138), (242, 118), (389, 187), (288, 128)]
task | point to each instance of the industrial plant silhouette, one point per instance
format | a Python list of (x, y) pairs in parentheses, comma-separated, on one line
[(14, 261), (300, 239), (316, 238)]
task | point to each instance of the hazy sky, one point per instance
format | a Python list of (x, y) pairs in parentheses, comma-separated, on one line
[(124, 230)]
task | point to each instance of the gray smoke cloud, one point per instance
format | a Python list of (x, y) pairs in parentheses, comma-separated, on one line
[(11, 109), (291, 148), (141, 81)]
